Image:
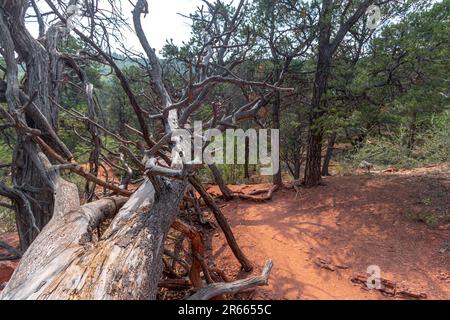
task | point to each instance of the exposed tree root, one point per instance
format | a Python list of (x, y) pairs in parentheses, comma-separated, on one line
[(252, 196), (390, 288)]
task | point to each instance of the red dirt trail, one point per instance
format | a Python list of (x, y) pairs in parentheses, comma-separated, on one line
[(352, 223)]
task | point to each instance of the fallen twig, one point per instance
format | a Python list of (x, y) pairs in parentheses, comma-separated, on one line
[(216, 289)]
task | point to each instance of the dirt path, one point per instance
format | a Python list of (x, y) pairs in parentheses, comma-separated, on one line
[(351, 223)]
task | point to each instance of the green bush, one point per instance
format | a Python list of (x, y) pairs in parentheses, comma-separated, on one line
[(432, 146), (385, 152), (436, 141)]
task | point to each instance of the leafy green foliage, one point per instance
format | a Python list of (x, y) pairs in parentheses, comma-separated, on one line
[(433, 146), (436, 141)]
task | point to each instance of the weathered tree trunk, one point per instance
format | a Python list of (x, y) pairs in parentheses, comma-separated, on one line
[(31, 171), (329, 155), (326, 51), (69, 261), (313, 174)]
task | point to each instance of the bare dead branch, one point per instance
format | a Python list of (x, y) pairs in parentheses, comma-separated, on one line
[(216, 289)]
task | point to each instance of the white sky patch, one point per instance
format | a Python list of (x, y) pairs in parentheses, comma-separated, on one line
[(163, 22)]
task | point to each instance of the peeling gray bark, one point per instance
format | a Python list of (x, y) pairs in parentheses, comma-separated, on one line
[(67, 261)]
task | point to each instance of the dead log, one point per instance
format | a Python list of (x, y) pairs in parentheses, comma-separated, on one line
[(216, 289), (67, 262), (56, 247)]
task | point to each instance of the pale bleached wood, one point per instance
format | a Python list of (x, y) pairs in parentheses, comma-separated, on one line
[(217, 289)]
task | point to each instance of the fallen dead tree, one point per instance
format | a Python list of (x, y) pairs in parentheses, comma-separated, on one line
[(69, 260)]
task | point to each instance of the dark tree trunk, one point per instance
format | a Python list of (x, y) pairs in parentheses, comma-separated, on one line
[(326, 51), (329, 155), (313, 174), (277, 178), (247, 156)]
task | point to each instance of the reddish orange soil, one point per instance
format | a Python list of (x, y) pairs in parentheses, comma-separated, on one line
[(397, 220), (352, 222)]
